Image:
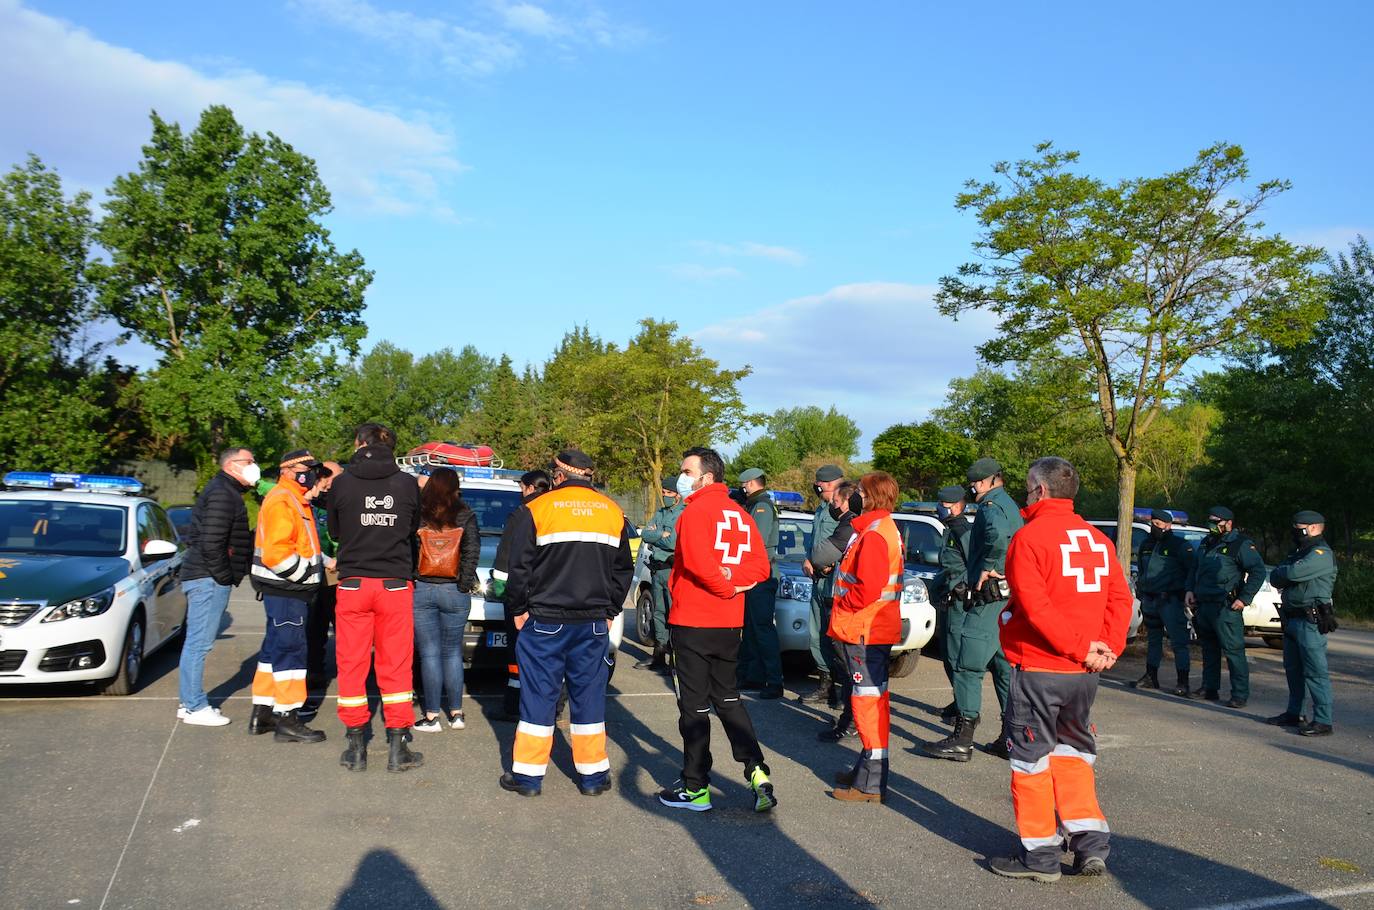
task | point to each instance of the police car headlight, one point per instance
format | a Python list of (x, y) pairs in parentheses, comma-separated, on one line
[(93, 605), (915, 592), (795, 588)]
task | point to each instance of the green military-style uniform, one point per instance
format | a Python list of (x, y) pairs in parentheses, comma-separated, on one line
[(760, 659), (1164, 573), (973, 626), (660, 536), (822, 595), (954, 561), (1228, 567), (1305, 580)]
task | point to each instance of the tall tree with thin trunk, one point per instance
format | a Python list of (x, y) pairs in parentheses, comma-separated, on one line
[(1136, 281)]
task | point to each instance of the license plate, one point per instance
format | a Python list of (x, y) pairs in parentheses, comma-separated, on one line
[(496, 639)]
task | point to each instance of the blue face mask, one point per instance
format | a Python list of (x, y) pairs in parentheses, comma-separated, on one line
[(942, 511), (684, 485)]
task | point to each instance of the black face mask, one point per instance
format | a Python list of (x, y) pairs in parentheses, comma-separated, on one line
[(321, 501), (1156, 532), (1300, 538), (856, 503), (835, 512), (308, 479)]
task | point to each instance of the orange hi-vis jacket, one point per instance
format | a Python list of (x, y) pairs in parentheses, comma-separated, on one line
[(287, 560), (868, 583)]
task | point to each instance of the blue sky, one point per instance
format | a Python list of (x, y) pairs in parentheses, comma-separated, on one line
[(762, 173)]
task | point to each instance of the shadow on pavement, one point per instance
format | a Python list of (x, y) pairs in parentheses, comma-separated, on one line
[(1362, 767), (384, 880)]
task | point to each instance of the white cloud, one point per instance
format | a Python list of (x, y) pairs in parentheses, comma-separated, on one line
[(751, 249), (691, 271), (84, 109), (901, 352), (1332, 239), (531, 19)]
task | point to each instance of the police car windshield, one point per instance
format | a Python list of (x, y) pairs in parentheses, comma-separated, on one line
[(922, 541), (794, 540), (493, 507), (61, 528)]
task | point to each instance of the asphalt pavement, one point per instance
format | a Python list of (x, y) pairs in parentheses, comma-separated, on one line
[(109, 803)]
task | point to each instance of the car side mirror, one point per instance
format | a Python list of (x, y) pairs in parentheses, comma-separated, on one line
[(156, 550)]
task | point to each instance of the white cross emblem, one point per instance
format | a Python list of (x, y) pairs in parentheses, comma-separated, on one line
[(739, 534), (1079, 568)]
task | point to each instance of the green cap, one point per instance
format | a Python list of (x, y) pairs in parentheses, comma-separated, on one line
[(951, 493), (828, 472), (750, 474), (1222, 513), (983, 468), (1308, 517)]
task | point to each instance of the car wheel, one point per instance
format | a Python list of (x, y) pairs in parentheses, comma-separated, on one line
[(903, 663), (644, 616), (1274, 641), (130, 661)]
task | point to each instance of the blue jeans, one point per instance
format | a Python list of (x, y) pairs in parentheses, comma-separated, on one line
[(206, 602), (441, 615)]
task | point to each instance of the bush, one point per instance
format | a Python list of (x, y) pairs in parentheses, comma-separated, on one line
[(1354, 595)]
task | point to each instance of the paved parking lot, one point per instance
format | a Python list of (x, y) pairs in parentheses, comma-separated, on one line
[(109, 802)]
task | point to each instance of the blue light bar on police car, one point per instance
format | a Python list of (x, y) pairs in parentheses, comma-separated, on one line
[(1179, 516), (788, 498), (94, 483)]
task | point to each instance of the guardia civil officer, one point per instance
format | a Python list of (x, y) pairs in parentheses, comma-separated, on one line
[(845, 505), (951, 508), (1227, 574), (1305, 580), (1164, 572), (760, 659), (660, 536), (828, 665), (973, 625)]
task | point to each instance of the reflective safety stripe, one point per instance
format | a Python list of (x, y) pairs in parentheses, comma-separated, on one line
[(397, 698), (586, 729), (264, 667), (890, 595), (286, 565), (1064, 751), (513, 682), (577, 537), (1075, 825), (533, 729), (352, 701), (499, 575), (1035, 843), (1030, 767), (877, 753), (283, 675), (893, 579), (592, 767), (847, 576), (869, 691), (527, 769)]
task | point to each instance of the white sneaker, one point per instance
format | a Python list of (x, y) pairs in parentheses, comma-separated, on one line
[(205, 717), (428, 725), (455, 720), (181, 712)]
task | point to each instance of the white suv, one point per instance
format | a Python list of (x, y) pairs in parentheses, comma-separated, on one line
[(89, 580)]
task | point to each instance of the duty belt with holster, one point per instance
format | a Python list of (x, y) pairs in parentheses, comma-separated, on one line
[(992, 591), (656, 565), (1322, 615)]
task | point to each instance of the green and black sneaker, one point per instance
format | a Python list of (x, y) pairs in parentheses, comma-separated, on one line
[(763, 789), (679, 797)]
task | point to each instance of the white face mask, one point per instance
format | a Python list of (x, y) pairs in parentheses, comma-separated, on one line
[(685, 485), (250, 474)]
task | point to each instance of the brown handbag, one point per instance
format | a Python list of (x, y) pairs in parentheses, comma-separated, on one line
[(439, 552)]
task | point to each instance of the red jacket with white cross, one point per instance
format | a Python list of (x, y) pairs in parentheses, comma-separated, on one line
[(718, 549), (1067, 591)]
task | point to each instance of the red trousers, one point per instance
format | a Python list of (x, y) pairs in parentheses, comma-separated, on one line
[(375, 613)]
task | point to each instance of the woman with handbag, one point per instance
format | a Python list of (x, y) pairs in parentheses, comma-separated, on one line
[(447, 547)]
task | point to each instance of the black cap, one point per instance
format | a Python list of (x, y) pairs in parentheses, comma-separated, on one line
[(828, 472), (1308, 517), (574, 462), (951, 493), (298, 458), (1222, 513), (983, 468), (1162, 515)]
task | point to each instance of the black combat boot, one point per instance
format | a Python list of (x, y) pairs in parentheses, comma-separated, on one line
[(400, 757), (261, 720), (949, 712), (1201, 693), (354, 757), (823, 694), (998, 747), (1149, 681), (655, 661), (958, 746), (291, 729), (1181, 690)]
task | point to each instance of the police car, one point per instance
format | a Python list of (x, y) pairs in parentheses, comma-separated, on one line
[(792, 611), (493, 493), (89, 573), (1261, 614)]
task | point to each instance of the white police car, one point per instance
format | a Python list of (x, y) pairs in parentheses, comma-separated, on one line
[(88, 580)]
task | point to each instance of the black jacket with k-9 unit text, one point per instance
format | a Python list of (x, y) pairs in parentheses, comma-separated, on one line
[(374, 512)]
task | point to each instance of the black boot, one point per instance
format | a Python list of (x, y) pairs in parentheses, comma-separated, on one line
[(822, 695), (261, 720), (1181, 690), (291, 729), (1149, 681), (958, 746), (1202, 693), (998, 747), (655, 661), (400, 757), (949, 712), (354, 757)]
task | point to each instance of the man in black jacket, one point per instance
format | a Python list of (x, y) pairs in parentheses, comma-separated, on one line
[(532, 484), (374, 512), (218, 550)]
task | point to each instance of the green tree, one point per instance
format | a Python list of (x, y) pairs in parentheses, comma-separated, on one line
[(923, 457), (220, 262), (793, 434), (1135, 280)]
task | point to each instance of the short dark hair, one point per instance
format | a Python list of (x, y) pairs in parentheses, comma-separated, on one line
[(230, 454), (539, 481), (374, 434), (1058, 476), (711, 462)]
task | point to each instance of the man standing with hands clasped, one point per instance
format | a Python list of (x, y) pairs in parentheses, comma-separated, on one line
[(1064, 623)]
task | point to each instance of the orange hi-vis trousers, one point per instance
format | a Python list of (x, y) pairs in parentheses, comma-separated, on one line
[(375, 614), (866, 668), (280, 677), (1053, 747), (549, 654)]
